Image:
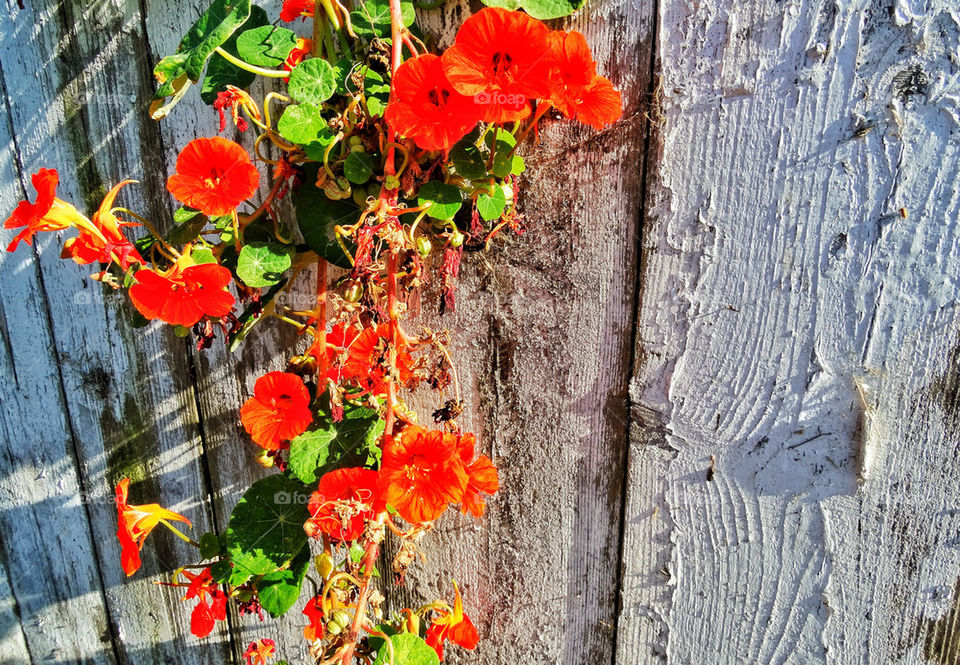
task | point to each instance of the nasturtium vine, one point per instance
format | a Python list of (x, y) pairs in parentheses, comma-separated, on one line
[(395, 161)]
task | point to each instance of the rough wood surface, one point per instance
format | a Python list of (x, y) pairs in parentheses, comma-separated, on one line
[(793, 477)]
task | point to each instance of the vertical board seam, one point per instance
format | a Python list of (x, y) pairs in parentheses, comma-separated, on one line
[(645, 170)]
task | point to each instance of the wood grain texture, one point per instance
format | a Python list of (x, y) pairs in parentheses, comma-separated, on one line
[(74, 90), (541, 336), (796, 383)]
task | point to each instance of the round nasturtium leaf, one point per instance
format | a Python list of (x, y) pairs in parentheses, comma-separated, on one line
[(303, 124), (312, 81), (491, 206), (358, 167), (265, 530), (444, 200), (263, 263), (266, 46), (408, 649)]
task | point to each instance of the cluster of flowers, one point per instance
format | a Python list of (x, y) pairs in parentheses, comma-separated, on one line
[(500, 62), (504, 67)]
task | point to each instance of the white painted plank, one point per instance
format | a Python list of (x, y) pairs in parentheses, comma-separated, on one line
[(73, 75), (780, 285)]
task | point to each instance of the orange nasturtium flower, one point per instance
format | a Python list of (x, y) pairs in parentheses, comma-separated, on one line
[(363, 358), (454, 626), (135, 524), (47, 213), (421, 473), (482, 477), (425, 107), (576, 89), (500, 58), (342, 503), (298, 53), (259, 651), (278, 411), (211, 603), (314, 613), (294, 9), (103, 241), (183, 294), (214, 176)]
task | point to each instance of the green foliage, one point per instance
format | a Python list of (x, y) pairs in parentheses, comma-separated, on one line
[(209, 545), (541, 9), (265, 531), (251, 316), (358, 167), (266, 46), (317, 215), (372, 18), (303, 124), (212, 29), (263, 263), (468, 160), (408, 649), (328, 444), (280, 590), (491, 206), (504, 163), (221, 73), (312, 81), (444, 200)]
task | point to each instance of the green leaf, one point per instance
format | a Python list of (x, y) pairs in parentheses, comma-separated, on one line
[(202, 255), (188, 231), (356, 554), (280, 590), (317, 215), (328, 444), (212, 29), (512, 5), (358, 167), (372, 17), (312, 81), (221, 73), (209, 545), (408, 649), (492, 206), (221, 571), (303, 124), (468, 160), (251, 316), (266, 46), (265, 530), (547, 9), (263, 263), (444, 200)]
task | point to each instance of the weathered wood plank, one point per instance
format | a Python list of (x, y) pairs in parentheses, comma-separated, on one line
[(796, 335), (541, 338), (73, 80)]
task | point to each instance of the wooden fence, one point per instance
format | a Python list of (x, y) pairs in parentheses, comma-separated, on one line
[(720, 373)]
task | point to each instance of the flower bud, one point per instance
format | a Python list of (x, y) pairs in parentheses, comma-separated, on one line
[(352, 291), (508, 192), (265, 459), (456, 238), (424, 246), (324, 564), (181, 331), (391, 182)]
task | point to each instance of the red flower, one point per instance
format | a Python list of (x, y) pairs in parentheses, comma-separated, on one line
[(298, 53), (48, 213), (259, 651), (454, 626), (314, 613), (502, 59), (134, 525), (482, 477), (102, 241), (214, 176), (234, 98), (575, 87), (293, 9), (343, 502), (278, 411), (425, 107), (184, 294), (364, 358), (211, 606), (421, 473)]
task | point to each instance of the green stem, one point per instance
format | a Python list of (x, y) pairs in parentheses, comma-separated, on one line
[(177, 532), (260, 71)]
